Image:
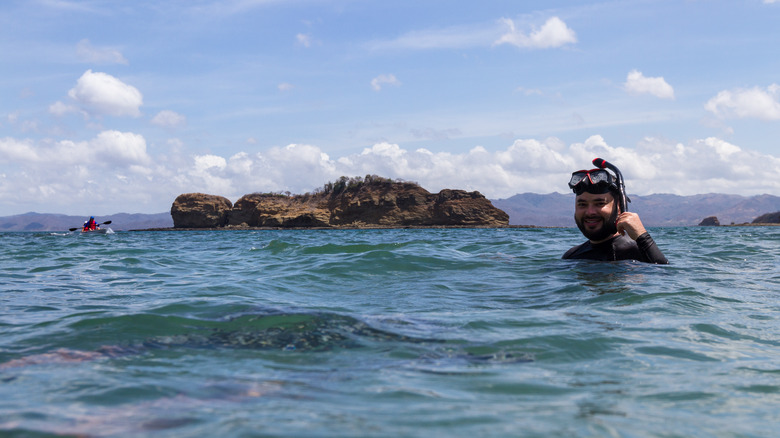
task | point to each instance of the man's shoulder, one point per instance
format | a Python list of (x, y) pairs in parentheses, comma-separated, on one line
[(620, 247), (606, 250), (623, 241), (577, 250)]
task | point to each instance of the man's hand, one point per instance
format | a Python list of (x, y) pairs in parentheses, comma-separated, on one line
[(630, 223)]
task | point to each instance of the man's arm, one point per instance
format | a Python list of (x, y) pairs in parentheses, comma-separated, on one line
[(649, 250), (629, 223)]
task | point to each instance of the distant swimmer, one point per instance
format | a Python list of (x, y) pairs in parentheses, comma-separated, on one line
[(600, 212)]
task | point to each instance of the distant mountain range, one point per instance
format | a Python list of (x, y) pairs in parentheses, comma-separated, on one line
[(59, 222), (552, 210), (555, 209)]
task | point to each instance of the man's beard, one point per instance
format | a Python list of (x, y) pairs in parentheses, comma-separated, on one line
[(608, 228)]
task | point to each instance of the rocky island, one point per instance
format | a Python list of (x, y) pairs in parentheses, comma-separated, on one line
[(768, 219), (370, 202)]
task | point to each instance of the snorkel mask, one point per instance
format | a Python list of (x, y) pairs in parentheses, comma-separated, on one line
[(599, 181)]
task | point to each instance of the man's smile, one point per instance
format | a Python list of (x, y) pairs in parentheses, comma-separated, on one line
[(592, 222)]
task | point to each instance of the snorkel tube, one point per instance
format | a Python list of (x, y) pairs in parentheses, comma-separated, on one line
[(623, 199)]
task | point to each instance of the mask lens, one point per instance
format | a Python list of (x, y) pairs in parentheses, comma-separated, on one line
[(577, 178), (583, 178), (600, 176)]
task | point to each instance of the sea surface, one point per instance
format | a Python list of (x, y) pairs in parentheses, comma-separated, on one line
[(388, 333)]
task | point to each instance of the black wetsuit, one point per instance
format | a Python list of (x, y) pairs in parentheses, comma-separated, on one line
[(619, 247)]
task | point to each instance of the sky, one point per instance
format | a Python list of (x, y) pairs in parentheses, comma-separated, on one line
[(115, 106)]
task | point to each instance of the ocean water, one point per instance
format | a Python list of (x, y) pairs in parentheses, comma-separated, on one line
[(388, 333)]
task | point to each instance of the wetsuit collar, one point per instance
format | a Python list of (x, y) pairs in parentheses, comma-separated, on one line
[(607, 240)]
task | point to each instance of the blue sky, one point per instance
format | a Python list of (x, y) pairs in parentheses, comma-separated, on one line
[(113, 106)]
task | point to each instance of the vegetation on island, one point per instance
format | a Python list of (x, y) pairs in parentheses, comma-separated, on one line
[(341, 185), (347, 184)]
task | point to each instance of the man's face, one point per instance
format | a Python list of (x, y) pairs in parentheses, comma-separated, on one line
[(595, 215)]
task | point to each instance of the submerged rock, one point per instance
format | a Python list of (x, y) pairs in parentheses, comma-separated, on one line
[(287, 333)]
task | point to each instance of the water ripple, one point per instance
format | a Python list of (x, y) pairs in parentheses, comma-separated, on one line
[(387, 333)]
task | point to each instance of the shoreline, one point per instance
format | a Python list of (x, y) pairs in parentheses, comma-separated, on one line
[(361, 227), (761, 224), (413, 227)]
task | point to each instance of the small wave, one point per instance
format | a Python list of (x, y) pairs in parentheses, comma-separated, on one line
[(279, 246), (354, 248)]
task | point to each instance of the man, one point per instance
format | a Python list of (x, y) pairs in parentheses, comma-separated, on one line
[(612, 234), (90, 224)]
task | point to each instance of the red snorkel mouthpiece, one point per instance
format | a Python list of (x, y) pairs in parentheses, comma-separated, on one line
[(602, 163)]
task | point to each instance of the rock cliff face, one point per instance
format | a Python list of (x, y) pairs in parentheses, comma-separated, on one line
[(366, 204), (198, 210)]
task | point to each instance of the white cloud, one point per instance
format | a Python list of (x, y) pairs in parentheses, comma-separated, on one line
[(29, 126), (296, 168), (708, 165), (381, 80), (102, 94), (240, 164), (284, 86), (112, 170), (456, 37), (529, 91), (12, 150), (298, 159), (205, 162), (742, 103), (115, 170), (109, 148), (21, 124), (59, 109), (169, 118), (120, 147), (553, 33), (527, 165), (98, 55), (637, 83), (303, 39)]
